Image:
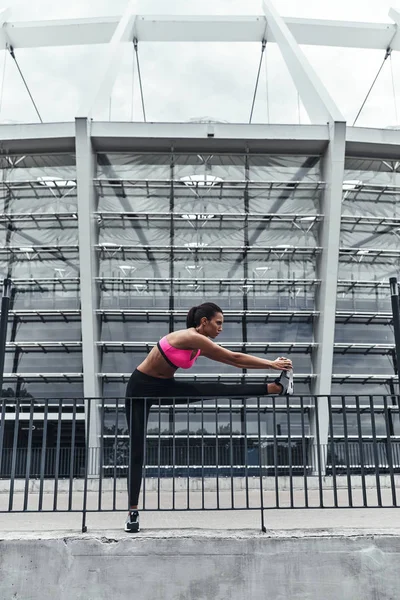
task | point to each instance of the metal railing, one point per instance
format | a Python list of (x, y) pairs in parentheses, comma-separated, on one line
[(226, 454)]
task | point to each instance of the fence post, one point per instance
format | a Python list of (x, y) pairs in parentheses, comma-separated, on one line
[(394, 293), (5, 307)]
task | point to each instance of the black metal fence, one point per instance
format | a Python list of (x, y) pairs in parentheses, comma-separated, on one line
[(258, 454)]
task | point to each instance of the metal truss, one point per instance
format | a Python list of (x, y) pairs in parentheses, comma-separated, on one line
[(38, 219), (376, 222), (244, 285), (382, 349), (128, 186), (44, 347), (110, 249), (45, 316), (39, 252), (372, 192), (370, 255), (42, 284), (302, 221), (364, 318), (348, 285), (363, 378), (44, 377), (42, 187), (287, 316)]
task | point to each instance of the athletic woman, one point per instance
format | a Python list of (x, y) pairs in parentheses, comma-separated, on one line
[(154, 378)]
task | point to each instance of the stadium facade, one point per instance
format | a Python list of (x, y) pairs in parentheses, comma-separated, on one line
[(112, 231)]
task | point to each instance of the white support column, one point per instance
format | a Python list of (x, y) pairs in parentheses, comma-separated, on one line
[(88, 262), (102, 88), (327, 272), (317, 102)]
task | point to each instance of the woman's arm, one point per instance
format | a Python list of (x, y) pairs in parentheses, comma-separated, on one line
[(248, 361), (236, 359)]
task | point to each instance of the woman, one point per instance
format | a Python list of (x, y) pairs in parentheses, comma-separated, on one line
[(154, 378)]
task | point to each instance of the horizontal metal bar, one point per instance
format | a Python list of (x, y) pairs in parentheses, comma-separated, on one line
[(105, 182), (276, 251)]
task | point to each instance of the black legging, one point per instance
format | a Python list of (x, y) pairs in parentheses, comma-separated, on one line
[(141, 386)]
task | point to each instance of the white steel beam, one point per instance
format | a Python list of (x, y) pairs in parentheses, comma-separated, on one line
[(102, 88), (88, 263), (182, 28), (328, 263), (317, 102), (327, 272)]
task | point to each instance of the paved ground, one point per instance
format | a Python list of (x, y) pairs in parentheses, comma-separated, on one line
[(282, 519)]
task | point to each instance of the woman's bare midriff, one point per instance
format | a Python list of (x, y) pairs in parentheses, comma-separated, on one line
[(155, 365)]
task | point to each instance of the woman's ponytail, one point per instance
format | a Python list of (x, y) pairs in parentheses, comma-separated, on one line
[(190, 320)]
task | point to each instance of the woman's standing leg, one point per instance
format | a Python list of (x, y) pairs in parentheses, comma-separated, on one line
[(137, 416)]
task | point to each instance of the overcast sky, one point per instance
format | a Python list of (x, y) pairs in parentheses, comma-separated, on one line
[(187, 81)]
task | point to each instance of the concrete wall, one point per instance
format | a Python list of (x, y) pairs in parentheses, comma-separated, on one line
[(200, 565)]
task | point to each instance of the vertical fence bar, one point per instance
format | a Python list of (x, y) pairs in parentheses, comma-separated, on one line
[(5, 306), (346, 449), (321, 496), (263, 528), (246, 451), (333, 453), (375, 451), (202, 454), (290, 458), (304, 451), (85, 485), (144, 470), (217, 452), (72, 456), (159, 457), (101, 457), (115, 459), (130, 430), (28, 457), (361, 452), (394, 297), (275, 446), (231, 453), (389, 452), (57, 462), (173, 451), (188, 457), (2, 430), (43, 453), (14, 455)]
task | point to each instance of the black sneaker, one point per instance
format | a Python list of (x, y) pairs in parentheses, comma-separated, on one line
[(132, 522), (286, 381)]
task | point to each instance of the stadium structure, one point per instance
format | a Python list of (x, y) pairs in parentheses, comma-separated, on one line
[(111, 231)]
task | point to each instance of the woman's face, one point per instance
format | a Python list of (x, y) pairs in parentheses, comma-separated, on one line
[(213, 327)]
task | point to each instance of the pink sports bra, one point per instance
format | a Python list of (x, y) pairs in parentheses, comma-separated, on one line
[(177, 358)]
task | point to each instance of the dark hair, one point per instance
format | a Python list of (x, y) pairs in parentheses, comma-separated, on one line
[(196, 313)]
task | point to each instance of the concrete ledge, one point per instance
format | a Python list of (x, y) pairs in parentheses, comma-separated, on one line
[(197, 564), (196, 484)]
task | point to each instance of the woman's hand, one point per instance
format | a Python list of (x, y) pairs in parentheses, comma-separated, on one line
[(282, 364)]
